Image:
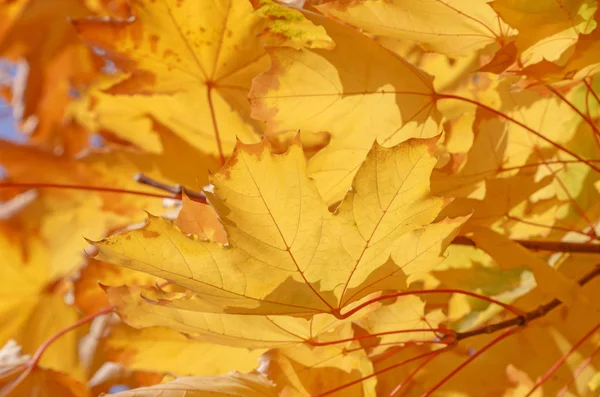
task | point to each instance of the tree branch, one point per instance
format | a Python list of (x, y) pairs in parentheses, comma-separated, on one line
[(177, 190), (536, 245), (527, 317)]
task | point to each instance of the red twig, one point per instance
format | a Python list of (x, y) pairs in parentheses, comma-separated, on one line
[(42, 185), (445, 332), (413, 373), (575, 109), (508, 307), (409, 360), (561, 360), (32, 364), (469, 360), (175, 190), (537, 245), (578, 371)]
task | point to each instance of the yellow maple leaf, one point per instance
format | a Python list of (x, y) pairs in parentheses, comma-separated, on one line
[(286, 254), (358, 92), (279, 226), (452, 27), (192, 64)]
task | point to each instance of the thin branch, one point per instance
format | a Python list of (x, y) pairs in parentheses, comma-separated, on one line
[(506, 306), (589, 121), (537, 245), (578, 371), (32, 364), (435, 331), (44, 185), (551, 227), (469, 360), (176, 190), (383, 370), (562, 359), (527, 317), (412, 374)]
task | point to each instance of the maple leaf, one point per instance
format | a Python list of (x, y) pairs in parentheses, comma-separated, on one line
[(358, 92), (317, 262), (330, 264), (191, 64)]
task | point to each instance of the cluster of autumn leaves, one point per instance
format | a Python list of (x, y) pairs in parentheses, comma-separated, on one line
[(368, 185)]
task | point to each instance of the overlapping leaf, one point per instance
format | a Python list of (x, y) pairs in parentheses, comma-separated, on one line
[(358, 92), (191, 64), (453, 27)]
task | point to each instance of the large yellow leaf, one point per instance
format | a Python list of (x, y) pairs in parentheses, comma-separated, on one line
[(358, 92), (233, 385), (192, 62), (287, 253), (452, 27)]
